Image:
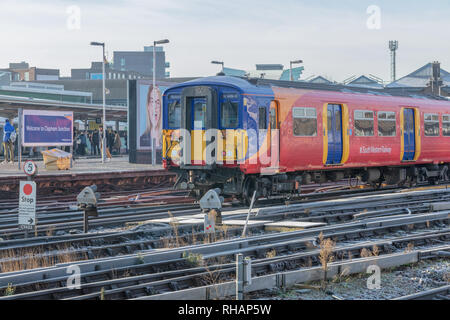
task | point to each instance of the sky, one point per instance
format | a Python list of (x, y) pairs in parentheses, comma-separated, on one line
[(337, 39)]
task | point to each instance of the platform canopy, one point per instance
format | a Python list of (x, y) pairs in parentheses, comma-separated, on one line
[(9, 108)]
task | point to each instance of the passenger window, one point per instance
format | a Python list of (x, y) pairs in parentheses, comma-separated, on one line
[(304, 122), (229, 115), (431, 124), (387, 124), (363, 123), (262, 118), (446, 125), (174, 114)]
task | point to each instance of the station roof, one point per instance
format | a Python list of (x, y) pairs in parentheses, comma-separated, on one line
[(397, 92), (365, 82), (420, 78), (9, 108)]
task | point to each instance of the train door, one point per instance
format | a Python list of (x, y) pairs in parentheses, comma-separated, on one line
[(409, 135), (274, 135), (334, 125), (198, 124)]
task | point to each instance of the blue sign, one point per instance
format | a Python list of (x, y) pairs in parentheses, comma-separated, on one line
[(47, 128)]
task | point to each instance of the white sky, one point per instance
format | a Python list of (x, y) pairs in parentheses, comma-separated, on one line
[(331, 37)]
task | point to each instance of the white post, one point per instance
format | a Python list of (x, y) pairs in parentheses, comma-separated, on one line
[(239, 276), (154, 85), (104, 108), (19, 143)]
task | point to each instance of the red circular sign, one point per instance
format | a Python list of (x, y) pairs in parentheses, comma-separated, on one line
[(27, 189)]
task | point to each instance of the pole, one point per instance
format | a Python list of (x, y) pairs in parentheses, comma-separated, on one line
[(19, 143), (244, 232), (290, 72), (154, 85), (239, 276), (104, 108)]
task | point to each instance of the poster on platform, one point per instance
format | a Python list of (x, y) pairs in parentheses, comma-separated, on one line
[(47, 128), (149, 114)]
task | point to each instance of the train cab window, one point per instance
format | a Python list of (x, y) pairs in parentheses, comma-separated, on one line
[(431, 124), (386, 124), (174, 114), (304, 122), (262, 118), (446, 125), (364, 123), (199, 114), (229, 116)]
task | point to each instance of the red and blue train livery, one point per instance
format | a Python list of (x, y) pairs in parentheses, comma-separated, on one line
[(310, 135)]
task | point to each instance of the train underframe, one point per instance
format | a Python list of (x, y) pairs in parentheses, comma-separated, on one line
[(234, 183)]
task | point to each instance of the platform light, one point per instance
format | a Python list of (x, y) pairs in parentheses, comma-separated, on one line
[(219, 62), (102, 44), (164, 41)]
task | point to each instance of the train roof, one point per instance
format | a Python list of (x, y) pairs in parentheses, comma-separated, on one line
[(261, 86)]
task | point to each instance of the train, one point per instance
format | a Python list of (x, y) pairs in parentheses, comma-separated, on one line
[(272, 138)]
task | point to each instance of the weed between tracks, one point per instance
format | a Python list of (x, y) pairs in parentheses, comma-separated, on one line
[(178, 241), (325, 256), (23, 259)]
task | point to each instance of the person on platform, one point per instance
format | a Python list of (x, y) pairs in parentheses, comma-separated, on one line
[(154, 125), (83, 143), (108, 154), (117, 142), (110, 139), (8, 143), (96, 142)]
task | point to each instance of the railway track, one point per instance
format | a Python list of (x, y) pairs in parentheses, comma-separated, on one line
[(330, 213), (442, 293), (117, 214), (137, 262), (291, 248)]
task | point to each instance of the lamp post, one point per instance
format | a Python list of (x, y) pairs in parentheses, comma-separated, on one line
[(154, 85), (102, 44), (219, 62), (290, 69)]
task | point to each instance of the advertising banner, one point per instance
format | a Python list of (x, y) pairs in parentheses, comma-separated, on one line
[(149, 115), (47, 128)]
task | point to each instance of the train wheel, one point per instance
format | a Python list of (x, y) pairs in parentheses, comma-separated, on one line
[(248, 189)]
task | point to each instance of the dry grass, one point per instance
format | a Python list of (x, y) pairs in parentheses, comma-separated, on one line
[(375, 250), (9, 291), (177, 241), (16, 260), (409, 247), (50, 231), (214, 277), (271, 253), (326, 255), (365, 253)]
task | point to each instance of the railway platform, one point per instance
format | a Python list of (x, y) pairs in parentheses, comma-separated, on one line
[(115, 175)]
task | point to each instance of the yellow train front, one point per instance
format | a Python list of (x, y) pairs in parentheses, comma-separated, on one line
[(205, 132)]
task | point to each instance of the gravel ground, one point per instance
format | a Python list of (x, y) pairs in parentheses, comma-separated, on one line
[(398, 282)]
